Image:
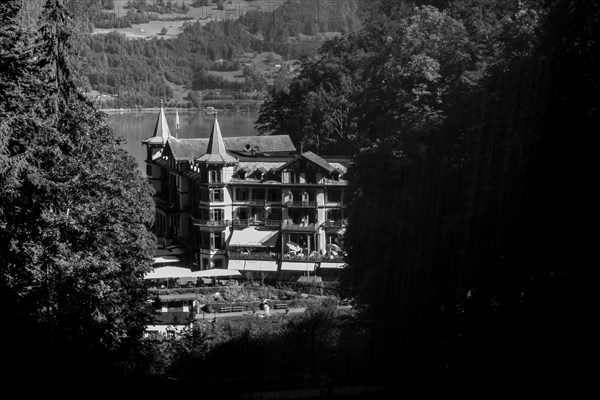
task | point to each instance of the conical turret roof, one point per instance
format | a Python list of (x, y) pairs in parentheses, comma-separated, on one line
[(216, 152), (161, 129)]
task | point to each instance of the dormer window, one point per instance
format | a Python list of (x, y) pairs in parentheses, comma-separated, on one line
[(335, 175), (242, 174)]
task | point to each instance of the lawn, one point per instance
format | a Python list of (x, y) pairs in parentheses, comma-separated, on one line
[(233, 10)]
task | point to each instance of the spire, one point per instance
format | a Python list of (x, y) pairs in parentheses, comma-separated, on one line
[(216, 152), (176, 122), (161, 130)]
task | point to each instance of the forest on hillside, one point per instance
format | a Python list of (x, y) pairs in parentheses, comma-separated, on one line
[(141, 72), (467, 123)]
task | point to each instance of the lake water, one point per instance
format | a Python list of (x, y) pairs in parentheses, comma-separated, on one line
[(137, 126)]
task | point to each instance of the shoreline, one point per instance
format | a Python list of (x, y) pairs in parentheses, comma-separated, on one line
[(166, 109)]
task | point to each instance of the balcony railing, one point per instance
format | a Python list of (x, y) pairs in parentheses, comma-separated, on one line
[(273, 222), (211, 223), (242, 255), (301, 204), (302, 227), (256, 202), (335, 224), (242, 223), (301, 257)]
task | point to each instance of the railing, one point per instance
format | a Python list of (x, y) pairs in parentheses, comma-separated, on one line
[(289, 225), (210, 223), (332, 257), (241, 255), (302, 257), (335, 224), (273, 222), (246, 222), (327, 181), (301, 204), (256, 202)]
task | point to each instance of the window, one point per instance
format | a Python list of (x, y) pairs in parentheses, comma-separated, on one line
[(216, 195), (258, 194), (215, 176), (334, 196), (218, 262), (242, 213), (242, 174), (311, 177), (149, 170), (203, 195), (203, 175), (216, 214), (274, 195), (216, 240), (241, 194), (294, 177)]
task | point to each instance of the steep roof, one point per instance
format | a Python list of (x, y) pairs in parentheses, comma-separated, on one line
[(261, 144), (216, 153), (161, 129), (312, 157), (189, 149)]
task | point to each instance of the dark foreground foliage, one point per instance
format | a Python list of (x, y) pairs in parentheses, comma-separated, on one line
[(468, 123)]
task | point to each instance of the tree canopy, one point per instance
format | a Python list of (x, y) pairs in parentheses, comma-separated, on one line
[(75, 212), (455, 109)]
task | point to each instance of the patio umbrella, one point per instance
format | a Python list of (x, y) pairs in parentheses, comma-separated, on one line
[(294, 247), (334, 247)]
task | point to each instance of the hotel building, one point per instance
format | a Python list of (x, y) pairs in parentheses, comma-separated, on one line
[(252, 204)]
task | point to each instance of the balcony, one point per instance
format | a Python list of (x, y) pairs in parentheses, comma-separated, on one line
[(337, 224), (256, 202), (300, 227), (301, 204), (211, 224), (243, 223), (249, 255)]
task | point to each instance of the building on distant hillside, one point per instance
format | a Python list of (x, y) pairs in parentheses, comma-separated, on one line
[(251, 204)]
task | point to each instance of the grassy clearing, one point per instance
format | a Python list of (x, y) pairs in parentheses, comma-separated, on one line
[(265, 63), (203, 15)]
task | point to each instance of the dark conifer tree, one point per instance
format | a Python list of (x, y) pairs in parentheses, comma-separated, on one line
[(75, 214)]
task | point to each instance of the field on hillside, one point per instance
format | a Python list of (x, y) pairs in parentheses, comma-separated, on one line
[(174, 25), (267, 63)]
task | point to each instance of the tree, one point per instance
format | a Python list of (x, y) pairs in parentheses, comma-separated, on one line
[(75, 215), (318, 108)]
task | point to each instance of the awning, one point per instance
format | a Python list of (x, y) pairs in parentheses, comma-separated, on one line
[(334, 247), (253, 237), (333, 265), (166, 260), (253, 265), (298, 266), (214, 272), (261, 265), (169, 272), (294, 247), (237, 265)]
